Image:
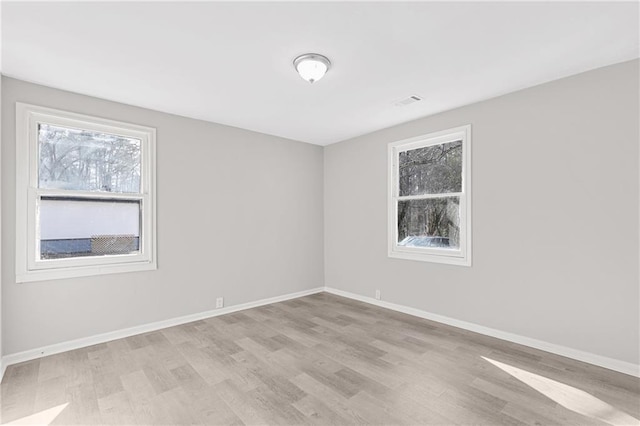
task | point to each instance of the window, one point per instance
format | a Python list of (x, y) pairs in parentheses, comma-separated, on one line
[(85, 195), (430, 197)]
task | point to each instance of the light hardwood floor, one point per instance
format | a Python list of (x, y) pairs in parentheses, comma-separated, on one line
[(320, 359)]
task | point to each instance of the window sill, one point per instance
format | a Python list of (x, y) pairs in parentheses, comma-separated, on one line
[(433, 258), (83, 271)]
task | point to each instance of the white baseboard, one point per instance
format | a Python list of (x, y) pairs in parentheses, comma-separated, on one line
[(15, 358), (601, 361)]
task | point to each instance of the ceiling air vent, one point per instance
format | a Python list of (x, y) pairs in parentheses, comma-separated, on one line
[(408, 101)]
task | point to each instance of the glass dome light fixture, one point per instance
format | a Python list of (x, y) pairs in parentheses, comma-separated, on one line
[(312, 66)]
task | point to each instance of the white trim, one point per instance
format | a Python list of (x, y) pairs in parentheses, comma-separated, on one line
[(57, 348), (588, 357), (429, 196), (462, 256), (29, 266), (2, 364), (83, 271)]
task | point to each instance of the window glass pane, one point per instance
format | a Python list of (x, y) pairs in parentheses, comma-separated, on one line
[(71, 227), (434, 222), (87, 161), (433, 169)]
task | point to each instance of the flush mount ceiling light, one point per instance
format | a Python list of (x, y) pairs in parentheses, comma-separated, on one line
[(312, 66)]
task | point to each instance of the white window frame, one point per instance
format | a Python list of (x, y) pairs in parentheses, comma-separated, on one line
[(29, 266), (431, 254)]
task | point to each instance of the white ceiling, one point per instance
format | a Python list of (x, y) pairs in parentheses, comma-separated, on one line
[(231, 63)]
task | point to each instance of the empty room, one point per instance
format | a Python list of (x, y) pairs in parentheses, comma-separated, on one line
[(327, 213)]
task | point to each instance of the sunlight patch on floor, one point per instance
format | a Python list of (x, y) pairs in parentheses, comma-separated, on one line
[(44, 417), (569, 397)]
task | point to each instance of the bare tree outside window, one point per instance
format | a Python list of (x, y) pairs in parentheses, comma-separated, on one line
[(86, 195), (437, 217), (429, 209), (430, 170), (82, 160), (433, 169), (79, 160)]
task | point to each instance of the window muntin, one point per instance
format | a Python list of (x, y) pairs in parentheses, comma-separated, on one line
[(429, 197), (85, 195)]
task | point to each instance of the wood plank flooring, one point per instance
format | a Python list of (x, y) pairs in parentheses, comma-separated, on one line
[(320, 359)]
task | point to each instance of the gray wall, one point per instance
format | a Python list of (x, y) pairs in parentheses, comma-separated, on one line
[(239, 215), (1, 280), (555, 216)]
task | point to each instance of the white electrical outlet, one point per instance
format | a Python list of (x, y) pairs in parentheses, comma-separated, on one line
[(378, 294), (219, 302)]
